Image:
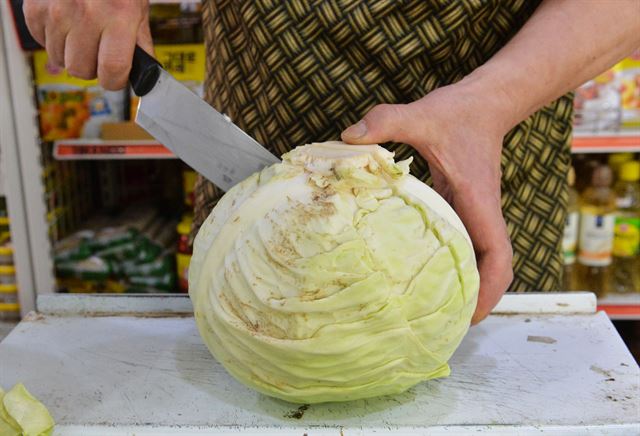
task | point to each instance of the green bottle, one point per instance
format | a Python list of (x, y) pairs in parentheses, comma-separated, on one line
[(625, 271)]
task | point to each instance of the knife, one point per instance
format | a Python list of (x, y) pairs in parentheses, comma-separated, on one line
[(194, 131)]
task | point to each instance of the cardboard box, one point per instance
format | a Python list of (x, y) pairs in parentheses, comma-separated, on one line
[(127, 130)]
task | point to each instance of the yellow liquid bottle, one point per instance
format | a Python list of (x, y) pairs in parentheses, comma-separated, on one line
[(595, 241), (570, 236), (615, 160), (625, 274)]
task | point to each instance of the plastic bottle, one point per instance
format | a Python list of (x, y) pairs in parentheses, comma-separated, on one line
[(570, 237), (597, 221), (615, 160), (625, 276), (183, 253), (584, 166)]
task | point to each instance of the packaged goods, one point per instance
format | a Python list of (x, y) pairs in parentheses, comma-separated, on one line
[(72, 108), (9, 293), (611, 100), (597, 104), (628, 78), (162, 283), (9, 312), (74, 247), (6, 253), (127, 253), (91, 268), (7, 274)]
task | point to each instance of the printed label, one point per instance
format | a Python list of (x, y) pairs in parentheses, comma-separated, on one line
[(183, 261), (570, 238), (624, 202), (596, 239), (626, 240)]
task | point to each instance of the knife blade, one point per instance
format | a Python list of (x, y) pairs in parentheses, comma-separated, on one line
[(193, 130)]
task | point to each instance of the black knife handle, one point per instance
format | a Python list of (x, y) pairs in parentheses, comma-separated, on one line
[(145, 71)]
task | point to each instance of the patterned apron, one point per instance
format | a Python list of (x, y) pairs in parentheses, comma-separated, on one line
[(294, 72)]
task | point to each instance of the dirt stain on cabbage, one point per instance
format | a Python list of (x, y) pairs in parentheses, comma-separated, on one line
[(297, 413)]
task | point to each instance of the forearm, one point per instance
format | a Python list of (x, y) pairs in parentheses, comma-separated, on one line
[(563, 44)]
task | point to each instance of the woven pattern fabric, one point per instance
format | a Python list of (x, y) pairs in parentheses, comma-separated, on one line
[(293, 72)]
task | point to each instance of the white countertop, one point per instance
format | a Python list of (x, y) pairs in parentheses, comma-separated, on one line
[(513, 374)]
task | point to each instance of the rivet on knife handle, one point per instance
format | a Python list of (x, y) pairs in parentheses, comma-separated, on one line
[(145, 71)]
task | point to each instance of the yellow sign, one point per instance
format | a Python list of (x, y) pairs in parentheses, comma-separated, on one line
[(185, 62), (43, 76)]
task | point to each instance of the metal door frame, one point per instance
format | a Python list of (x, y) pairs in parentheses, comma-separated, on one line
[(22, 168)]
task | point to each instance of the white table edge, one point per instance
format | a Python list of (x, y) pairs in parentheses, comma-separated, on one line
[(171, 304), (564, 430)]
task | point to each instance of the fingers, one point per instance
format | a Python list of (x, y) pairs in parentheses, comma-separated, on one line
[(478, 205), (35, 14), (144, 33), (480, 210), (383, 123), (81, 52), (56, 29), (496, 273), (115, 55), (91, 38)]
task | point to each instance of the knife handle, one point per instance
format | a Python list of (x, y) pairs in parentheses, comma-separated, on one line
[(145, 71)]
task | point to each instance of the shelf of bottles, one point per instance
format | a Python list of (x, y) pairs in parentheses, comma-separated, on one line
[(601, 241)]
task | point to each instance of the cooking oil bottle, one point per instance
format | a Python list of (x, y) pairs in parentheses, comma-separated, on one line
[(570, 237), (625, 270), (615, 160), (597, 221)]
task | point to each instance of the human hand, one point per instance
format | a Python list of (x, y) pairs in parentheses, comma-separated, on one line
[(460, 136), (91, 38)]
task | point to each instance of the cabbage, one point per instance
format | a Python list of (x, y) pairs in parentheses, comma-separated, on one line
[(332, 276), (21, 414)]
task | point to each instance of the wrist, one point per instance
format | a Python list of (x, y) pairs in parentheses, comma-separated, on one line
[(491, 95)]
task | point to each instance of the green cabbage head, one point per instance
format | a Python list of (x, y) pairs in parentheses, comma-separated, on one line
[(332, 276)]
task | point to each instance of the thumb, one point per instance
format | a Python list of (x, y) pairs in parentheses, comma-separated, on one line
[(383, 123)]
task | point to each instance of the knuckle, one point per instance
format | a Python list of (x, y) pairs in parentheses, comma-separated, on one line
[(125, 8), (122, 3), (89, 12), (83, 9), (386, 114), (31, 10), (34, 23), (379, 110), (81, 71), (111, 83), (57, 11), (114, 67)]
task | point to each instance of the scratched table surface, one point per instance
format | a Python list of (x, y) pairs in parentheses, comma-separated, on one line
[(515, 374)]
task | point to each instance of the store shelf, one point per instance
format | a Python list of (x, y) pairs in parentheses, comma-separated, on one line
[(97, 149), (606, 142), (621, 306)]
